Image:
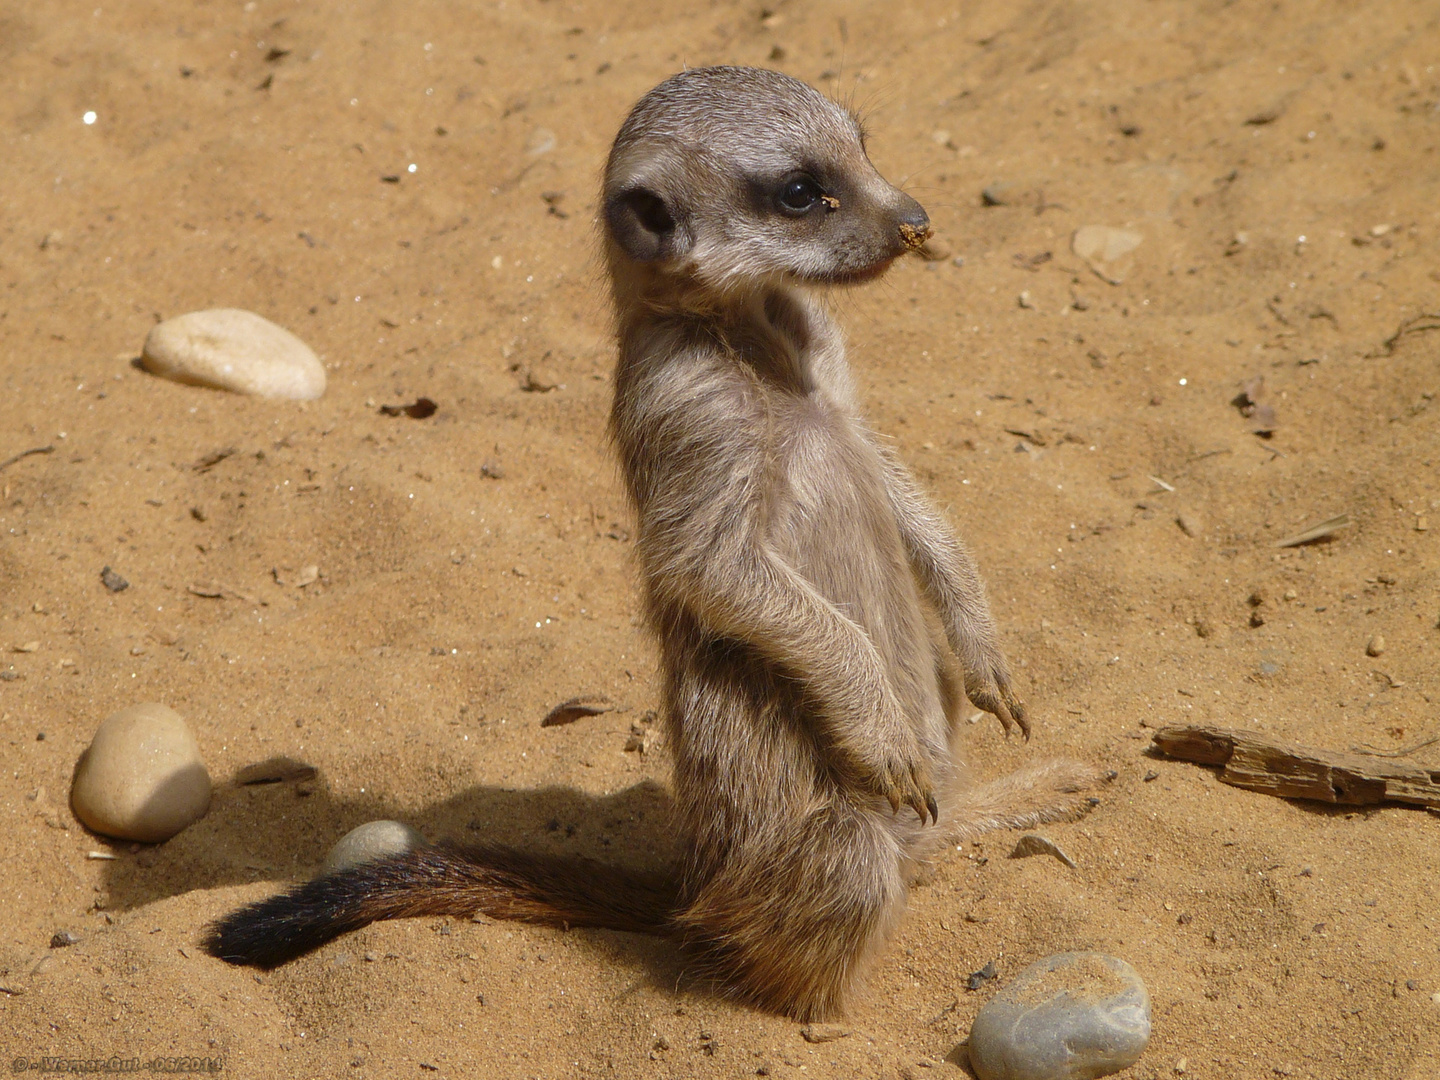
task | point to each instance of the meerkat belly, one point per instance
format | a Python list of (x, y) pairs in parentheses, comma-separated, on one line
[(833, 522)]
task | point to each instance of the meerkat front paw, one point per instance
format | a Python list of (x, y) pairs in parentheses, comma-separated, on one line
[(904, 778), (995, 695)]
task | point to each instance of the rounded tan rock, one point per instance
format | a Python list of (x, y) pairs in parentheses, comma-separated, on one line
[(234, 350), (142, 777)]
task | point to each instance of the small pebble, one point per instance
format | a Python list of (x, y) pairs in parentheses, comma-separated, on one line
[(373, 840), (979, 978), (1035, 844), (142, 777), (63, 938), (823, 1033), (1071, 1016), (113, 581), (234, 350), (1189, 523), (1103, 246), (1375, 646)]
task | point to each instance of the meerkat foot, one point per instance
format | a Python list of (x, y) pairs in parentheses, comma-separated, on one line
[(1054, 790)]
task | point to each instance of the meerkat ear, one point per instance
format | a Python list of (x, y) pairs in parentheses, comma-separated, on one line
[(644, 226)]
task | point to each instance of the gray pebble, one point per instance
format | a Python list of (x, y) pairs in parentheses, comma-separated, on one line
[(372, 840), (1071, 1016), (142, 777), (234, 350), (1035, 844)]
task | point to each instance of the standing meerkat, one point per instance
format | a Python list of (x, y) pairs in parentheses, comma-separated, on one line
[(819, 624)]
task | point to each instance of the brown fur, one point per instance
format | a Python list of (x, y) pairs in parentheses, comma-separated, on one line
[(819, 624)]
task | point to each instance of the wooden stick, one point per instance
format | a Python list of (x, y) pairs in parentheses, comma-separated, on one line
[(1301, 772)]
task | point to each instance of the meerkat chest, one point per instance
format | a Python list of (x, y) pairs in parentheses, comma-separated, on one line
[(831, 504)]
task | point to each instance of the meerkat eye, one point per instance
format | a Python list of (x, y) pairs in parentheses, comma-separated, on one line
[(799, 194)]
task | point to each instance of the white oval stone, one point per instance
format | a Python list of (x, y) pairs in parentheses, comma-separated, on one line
[(373, 840), (142, 777), (234, 350), (1071, 1016)]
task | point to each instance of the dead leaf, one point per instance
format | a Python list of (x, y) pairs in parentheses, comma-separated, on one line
[(537, 384), (216, 590), (1031, 262), (274, 771), (567, 712), (210, 460), (289, 575), (1322, 531), (419, 409)]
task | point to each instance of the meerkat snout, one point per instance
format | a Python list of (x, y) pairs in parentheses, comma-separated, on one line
[(725, 176)]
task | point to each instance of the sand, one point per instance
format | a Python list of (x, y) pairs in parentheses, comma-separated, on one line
[(410, 188)]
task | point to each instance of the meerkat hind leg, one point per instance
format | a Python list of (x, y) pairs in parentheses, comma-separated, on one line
[(793, 921)]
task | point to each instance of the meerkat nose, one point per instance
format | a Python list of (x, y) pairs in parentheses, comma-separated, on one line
[(913, 222)]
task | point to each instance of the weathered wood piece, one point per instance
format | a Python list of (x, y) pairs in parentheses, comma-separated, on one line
[(1301, 772)]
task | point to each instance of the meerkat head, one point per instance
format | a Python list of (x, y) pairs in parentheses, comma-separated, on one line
[(725, 176)]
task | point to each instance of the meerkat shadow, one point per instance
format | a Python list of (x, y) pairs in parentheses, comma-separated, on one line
[(272, 833)]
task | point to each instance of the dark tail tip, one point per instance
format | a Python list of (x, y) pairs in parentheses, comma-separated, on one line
[(271, 931)]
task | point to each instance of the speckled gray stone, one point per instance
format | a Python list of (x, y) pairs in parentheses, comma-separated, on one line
[(142, 777), (234, 350), (1071, 1016), (370, 841)]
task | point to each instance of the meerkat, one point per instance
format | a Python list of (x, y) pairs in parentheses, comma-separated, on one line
[(819, 625)]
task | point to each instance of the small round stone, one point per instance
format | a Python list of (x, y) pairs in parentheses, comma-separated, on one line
[(234, 350), (142, 777), (1071, 1016), (373, 840)]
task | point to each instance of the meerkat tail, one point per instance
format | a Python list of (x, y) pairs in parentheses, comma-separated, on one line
[(490, 880), (1055, 790)]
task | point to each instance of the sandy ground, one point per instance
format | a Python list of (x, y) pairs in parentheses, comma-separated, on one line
[(1280, 161)]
